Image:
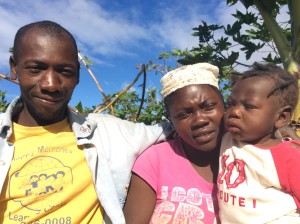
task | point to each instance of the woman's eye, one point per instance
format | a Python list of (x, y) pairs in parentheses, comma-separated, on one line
[(181, 115), (210, 106)]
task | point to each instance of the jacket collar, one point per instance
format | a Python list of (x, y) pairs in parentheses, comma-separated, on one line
[(81, 126), (6, 118)]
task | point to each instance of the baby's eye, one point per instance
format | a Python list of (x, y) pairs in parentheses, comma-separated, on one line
[(249, 107), (229, 104)]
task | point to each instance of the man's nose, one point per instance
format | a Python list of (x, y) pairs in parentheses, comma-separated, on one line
[(50, 81)]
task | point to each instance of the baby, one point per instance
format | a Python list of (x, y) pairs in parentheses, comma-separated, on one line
[(259, 179)]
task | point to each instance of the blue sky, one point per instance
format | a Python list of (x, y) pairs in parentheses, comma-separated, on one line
[(115, 35)]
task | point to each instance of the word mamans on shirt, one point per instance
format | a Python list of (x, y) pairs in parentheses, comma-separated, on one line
[(43, 149), (187, 211)]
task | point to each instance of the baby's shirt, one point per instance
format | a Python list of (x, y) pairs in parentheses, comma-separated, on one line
[(258, 185)]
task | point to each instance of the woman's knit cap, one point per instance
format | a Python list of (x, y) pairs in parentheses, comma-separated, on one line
[(200, 73)]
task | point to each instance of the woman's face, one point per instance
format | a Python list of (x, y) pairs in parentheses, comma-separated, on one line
[(196, 112)]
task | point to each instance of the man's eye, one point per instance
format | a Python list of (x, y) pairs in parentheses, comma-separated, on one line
[(34, 69), (67, 72)]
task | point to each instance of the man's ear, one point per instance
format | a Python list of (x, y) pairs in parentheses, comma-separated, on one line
[(284, 116), (78, 72), (13, 68)]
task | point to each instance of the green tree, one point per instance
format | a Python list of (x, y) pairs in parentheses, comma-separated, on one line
[(257, 29), (286, 37), (3, 102), (127, 106)]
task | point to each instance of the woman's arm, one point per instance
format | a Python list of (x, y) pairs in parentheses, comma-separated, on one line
[(140, 202), (285, 133)]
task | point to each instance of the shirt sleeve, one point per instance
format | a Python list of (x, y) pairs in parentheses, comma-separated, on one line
[(287, 162), (138, 135), (146, 166)]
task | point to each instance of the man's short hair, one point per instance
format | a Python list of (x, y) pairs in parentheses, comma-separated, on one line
[(47, 27)]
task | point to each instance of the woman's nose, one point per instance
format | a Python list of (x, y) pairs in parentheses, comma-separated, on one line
[(200, 119)]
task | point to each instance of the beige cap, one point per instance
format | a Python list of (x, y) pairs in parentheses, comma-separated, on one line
[(200, 73)]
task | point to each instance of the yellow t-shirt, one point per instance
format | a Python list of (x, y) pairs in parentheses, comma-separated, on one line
[(49, 180)]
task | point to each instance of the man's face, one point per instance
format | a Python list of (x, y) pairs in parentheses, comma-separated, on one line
[(48, 71)]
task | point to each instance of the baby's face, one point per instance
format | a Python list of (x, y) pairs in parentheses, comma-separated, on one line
[(251, 114)]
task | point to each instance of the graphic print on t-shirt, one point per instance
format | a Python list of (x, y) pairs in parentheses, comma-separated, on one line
[(39, 182), (182, 196), (178, 205), (48, 178)]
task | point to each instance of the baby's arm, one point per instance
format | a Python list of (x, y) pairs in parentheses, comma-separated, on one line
[(294, 175), (140, 202), (287, 161)]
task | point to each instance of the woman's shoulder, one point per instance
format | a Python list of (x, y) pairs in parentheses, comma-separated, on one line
[(163, 150)]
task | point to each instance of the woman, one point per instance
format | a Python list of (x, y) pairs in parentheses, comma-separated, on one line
[(175, 181)]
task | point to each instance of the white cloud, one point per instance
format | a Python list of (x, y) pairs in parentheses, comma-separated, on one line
[(126, 84), (116, 31), (225, 17), (96, 30), (112, 32), (174, 29)]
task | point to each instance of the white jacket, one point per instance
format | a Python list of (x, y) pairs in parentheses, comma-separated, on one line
[(111, 146)]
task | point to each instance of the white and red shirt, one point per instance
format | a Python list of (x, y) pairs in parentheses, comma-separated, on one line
[(182, 195), (259, 185)]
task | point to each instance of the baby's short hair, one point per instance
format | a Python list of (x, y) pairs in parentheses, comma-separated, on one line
[(285, 84)]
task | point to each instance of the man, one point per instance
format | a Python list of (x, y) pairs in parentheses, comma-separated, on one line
[(56, 166)]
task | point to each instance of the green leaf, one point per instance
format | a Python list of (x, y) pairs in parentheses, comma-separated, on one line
[(79, 107), (233, 57), (248, 3)]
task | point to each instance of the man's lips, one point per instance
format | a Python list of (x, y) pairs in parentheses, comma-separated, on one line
[(49, 100)]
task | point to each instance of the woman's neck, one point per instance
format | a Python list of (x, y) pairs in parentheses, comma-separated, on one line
[(205, 163)]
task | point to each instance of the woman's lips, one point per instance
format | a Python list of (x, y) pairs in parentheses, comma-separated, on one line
[(204, 136)]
